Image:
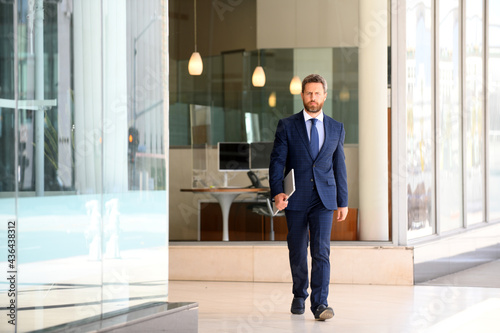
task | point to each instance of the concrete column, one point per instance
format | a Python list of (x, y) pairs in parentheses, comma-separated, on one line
[(373, 155)]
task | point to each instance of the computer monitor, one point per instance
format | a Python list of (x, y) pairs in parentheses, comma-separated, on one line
[(260, 155), (234, 156)]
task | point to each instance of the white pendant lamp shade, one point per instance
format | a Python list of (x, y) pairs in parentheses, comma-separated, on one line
[(259, 77), (295, 86), (195, 66)]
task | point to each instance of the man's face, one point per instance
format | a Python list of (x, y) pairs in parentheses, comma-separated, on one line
[(313, 97)]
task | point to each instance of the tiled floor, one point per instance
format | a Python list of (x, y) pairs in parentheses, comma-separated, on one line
[(464, 302)]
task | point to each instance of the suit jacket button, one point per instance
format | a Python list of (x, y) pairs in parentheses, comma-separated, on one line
[(312, 179)]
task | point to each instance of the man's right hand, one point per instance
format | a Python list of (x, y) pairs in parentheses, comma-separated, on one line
[(280, 200)]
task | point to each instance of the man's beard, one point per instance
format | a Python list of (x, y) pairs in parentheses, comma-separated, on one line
[(313, 108)]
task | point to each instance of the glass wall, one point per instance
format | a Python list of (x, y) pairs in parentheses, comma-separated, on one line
[(494, 109), (83, 173), (222, 104), (420, 120), (474, 112), (8, 227), (449, 120), (233, 99), (466, 165)]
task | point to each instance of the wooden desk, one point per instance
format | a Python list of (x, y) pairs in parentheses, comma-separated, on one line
[(225, 196)]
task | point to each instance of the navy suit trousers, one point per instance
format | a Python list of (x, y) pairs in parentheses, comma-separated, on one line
[(317, 220)]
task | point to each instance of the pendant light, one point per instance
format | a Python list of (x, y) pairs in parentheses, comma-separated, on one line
[(295, 85), (272, 99), (344, 94), (258, 77), (195, 65)]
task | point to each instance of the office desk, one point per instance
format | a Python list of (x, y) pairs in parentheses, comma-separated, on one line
[(225, 196)]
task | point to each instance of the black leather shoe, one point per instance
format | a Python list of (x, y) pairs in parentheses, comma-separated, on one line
[(323, 313), (298, 306)]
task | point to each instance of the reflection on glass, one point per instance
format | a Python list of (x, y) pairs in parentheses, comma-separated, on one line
[(242, 112), (420, 145), (7, 159), (449, 164), (92, 238), (474, 112), (134, 224), (494, 110)]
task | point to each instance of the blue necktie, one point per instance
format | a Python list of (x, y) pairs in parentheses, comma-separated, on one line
[(314, 142)]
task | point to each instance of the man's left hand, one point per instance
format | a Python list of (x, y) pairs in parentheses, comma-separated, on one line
[(341, 213)]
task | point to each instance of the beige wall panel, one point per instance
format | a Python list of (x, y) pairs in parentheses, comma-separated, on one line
[(314, 23)]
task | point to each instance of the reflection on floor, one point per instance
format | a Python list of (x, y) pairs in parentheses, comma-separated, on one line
[(59, 291), (463, 302), (486, 276), (467, 301)]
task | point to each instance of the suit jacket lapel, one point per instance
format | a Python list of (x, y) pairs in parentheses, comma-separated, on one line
[(326, 124), (329, 133), (300, 125)]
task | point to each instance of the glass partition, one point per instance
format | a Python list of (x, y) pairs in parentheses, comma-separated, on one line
[(420, 125), (233, 41), (242, 112), (474, 112), (8, 263), (449, 120), (83, 175), (8, 222), (494, 109)]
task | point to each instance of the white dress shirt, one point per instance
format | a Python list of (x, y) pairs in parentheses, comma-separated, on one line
[(319, 126)]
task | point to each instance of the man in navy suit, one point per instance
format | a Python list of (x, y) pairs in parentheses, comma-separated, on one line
[(312, 144)]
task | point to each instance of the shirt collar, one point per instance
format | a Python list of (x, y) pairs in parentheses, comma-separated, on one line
[(307, 116)]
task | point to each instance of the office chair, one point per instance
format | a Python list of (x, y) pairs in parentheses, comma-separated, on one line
[(264, 209)]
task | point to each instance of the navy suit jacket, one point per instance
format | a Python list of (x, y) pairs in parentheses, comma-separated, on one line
[(291, 150)]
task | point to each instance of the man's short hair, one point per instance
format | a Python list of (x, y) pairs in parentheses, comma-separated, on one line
[(314, 78)]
